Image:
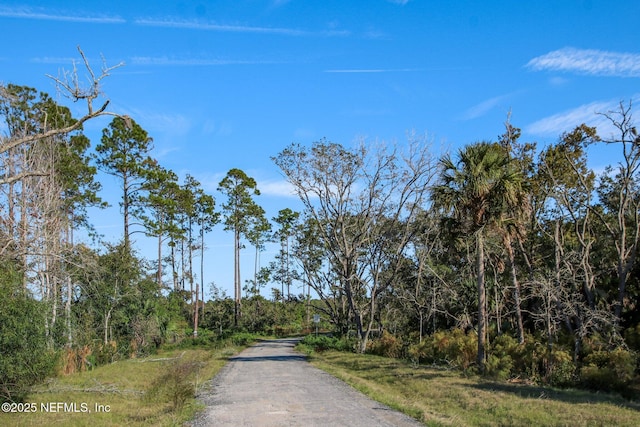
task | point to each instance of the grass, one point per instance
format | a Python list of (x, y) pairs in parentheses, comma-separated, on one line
[(448, 398), (121, 392)]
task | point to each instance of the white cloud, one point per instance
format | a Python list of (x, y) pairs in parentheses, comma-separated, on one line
[(400, 2), (40, 14), (589, 114), (162, 123), (280, 188), (484, 107), (588, 61)]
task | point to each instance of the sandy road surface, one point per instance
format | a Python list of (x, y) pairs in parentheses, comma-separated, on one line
[(269, 384)]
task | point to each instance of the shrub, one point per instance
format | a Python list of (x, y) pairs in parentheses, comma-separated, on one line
[(322, 343), (176, 385), (561, 371), (421, 353), (608, 370), (243, 338), (500, 363), (26, 359), (452, 347), (103, 354), (498, 367), (632, 337), (387, 345)]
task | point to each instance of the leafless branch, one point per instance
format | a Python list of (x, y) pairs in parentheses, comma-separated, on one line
[(69, 85)]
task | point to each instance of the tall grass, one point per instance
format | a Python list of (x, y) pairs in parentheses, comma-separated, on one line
[(156, 391), (441, 397)]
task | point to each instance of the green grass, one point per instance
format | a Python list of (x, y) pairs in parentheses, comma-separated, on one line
[(448, 398), (122, 388)]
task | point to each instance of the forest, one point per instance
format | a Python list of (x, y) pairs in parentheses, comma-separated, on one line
[(504, 258)]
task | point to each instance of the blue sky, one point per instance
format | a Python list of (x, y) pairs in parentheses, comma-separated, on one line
[(228, 84)]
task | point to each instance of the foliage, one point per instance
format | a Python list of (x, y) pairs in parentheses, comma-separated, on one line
[(320, 343), (175, 384), (387, 345), (127, 386), (611, 370), (26, 358), (382, 243), (444, 397)]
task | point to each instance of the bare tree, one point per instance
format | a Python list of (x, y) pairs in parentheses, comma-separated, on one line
[(620, 196), (364, 201), (70, 86), (38, 157)]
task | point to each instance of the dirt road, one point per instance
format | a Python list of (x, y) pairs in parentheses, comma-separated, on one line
[(269, 384)]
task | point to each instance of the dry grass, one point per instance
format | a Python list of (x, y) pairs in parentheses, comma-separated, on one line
[(447, 398), (122, 388)]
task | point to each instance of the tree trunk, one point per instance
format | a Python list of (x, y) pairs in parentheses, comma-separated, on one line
[(236, 278), (482, 302), (190, 245), (174, 273), (516, 289), (159, 277), (196, 315), (125, 212)]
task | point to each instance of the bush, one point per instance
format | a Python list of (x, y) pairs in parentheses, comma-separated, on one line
[(561, 371), (452, 347), (322, 343), (608, 370), (632, 337), (26, 359), (500, 363), (387, 345), (243, 338), (176, 385)]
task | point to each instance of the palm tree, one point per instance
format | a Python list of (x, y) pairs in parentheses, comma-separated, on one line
[(475, 192)]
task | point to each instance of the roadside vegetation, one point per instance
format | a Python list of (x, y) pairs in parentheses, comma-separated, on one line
[(509, 260), (157, 390), (439, 395)]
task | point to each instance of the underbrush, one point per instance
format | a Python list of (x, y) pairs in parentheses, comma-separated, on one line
[(447, 397), (320, 343), (596, 369), (155, 390)]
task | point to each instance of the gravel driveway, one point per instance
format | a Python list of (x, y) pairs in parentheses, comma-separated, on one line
[(269, 384)]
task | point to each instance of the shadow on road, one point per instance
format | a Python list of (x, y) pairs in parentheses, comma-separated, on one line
[(283, 358), (280, 350)]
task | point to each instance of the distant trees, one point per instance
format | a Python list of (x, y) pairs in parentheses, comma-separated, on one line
[(239, 211), (287, 221), (361, 203), (526, 253)]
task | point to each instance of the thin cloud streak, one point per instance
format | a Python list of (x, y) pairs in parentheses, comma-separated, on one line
[(588, 61), (207, 26), (484, 107), (27, 13), (54, 60)]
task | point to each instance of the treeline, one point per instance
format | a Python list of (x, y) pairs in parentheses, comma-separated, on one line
[(507, 258), (69, 303)]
